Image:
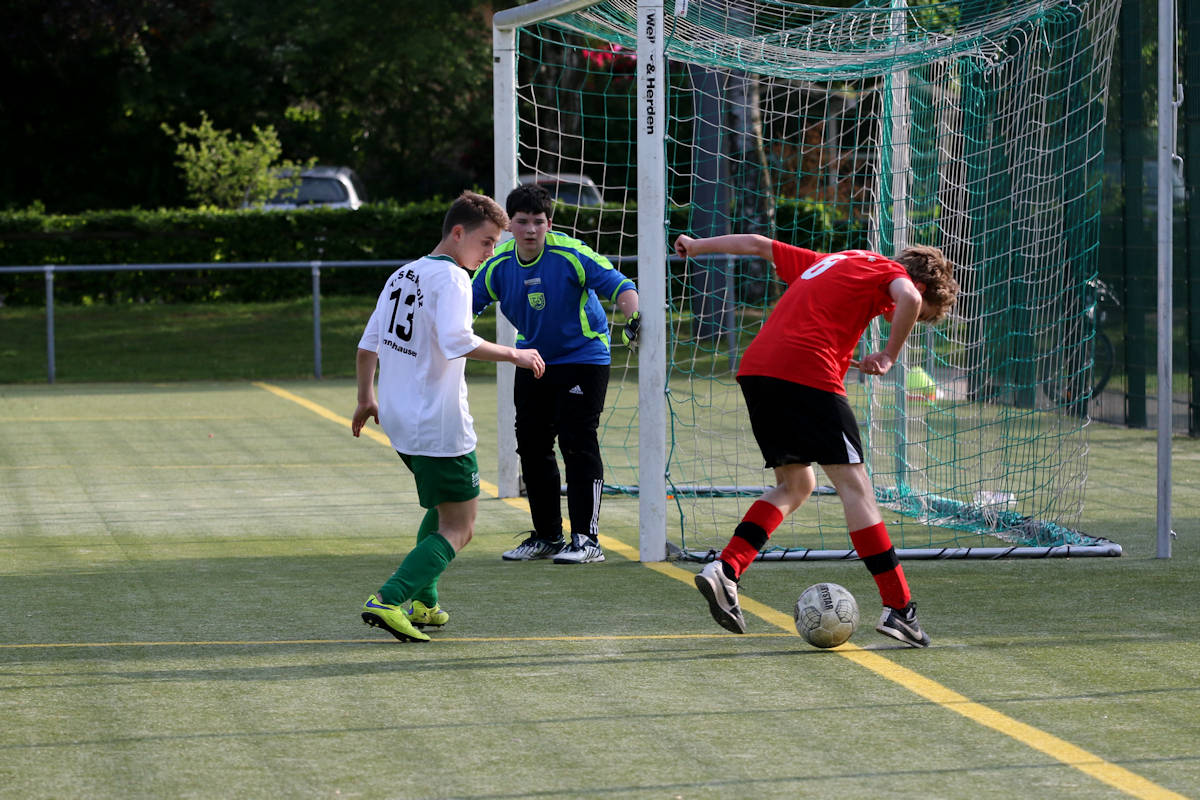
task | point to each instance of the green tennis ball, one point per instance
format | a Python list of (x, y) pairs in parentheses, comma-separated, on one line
[(920, 386)]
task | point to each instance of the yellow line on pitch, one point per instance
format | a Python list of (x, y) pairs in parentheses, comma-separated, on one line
[(376, 640), (1059, 749), (169, 467), (139, 418), (369, 432)]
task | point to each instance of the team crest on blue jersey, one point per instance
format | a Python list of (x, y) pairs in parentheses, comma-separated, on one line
[(537, 300)]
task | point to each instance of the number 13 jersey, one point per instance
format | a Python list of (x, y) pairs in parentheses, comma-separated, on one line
[(421, 329), (810, 335)]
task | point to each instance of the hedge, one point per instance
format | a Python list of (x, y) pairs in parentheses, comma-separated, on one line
[(199, 236), (383, 231)]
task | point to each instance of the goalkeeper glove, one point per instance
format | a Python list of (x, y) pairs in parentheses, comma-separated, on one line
[(629, 336)]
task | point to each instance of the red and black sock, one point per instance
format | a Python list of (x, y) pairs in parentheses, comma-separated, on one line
[(750, 536), (874, 547)]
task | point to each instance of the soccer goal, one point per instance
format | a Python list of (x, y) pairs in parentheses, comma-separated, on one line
[(973, 125)]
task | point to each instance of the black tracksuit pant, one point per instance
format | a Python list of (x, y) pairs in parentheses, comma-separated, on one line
[(565, 403)]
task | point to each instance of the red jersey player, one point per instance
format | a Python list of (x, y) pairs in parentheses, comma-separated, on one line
[(792, 379)]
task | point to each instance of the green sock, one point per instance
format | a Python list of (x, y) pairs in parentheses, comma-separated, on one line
[(420, 567), (428, 594)]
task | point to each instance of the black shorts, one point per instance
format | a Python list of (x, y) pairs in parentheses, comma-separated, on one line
[(796, 424)]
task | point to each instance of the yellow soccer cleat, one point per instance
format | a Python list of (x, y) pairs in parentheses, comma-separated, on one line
[(392, 619), (423, 616)]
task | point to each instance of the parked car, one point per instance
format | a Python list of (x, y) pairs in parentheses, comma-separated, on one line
[(570, 188), (328, 187)]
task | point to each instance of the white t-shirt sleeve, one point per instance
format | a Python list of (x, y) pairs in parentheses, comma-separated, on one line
[(370, 334), (452, 299)]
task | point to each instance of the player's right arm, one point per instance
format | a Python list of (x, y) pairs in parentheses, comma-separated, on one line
[(527, 358), (736, 244), (452, 303), (908, 306), (368, 406), (364, 370), (481, 291)]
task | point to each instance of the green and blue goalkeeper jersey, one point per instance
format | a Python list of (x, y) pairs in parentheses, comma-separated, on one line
[(552, 301)]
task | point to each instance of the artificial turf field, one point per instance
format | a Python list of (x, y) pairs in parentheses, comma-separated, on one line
[(183, 567)]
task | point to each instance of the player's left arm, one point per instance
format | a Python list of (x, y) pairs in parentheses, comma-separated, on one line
[(627, 301), (908, 306), (368, 406), (620, 290)]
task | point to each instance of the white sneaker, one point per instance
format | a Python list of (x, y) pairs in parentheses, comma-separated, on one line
[(721, 594), (534, 548), (581, 550)]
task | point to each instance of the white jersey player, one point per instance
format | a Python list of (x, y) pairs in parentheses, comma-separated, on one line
[(417, 336)]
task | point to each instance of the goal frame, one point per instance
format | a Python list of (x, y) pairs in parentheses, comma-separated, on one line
[(650, 90)]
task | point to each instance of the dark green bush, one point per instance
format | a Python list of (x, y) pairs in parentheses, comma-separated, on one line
[(377, 232), (382, 231)]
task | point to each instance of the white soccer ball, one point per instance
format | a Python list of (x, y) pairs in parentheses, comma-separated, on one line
[(826, 614)]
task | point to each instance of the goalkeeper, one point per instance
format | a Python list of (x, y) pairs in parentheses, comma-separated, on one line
[(547, 285), (792, 379)]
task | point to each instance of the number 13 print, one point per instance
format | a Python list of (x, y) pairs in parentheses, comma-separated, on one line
[(406, 332)]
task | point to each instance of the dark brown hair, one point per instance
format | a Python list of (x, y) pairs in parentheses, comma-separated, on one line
[(529, 198), (928, 265), (472, 210)]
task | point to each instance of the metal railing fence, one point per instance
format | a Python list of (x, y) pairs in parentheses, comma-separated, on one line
[(50, 270)]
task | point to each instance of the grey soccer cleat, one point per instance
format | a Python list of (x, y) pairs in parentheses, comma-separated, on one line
[(581, 550), (901, 624), (534, 548)]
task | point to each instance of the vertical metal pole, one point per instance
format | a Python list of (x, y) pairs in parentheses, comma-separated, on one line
[(316, 294), (1166, 188), (652, 82), (1191, 127), (1136, 237), (504, 130), (50, 356), (899, 161)]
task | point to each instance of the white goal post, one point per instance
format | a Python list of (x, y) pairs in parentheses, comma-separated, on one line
[(651, 252)]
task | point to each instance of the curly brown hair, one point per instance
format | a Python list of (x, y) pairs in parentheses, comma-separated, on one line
[(471, 210), (929, 265)]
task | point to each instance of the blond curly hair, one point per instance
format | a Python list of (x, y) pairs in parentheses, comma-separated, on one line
[(929, 265)]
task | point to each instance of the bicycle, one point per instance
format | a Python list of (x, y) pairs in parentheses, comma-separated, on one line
[(1066, 383)]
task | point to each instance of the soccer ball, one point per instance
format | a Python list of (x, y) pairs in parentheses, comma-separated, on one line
[(826, 614)]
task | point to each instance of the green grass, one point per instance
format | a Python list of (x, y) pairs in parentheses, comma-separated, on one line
[(183, 566), (200, 341)]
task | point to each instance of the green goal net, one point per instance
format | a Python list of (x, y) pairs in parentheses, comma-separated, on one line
[(975, 126)]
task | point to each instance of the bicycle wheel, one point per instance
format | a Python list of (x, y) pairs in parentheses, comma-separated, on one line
[(1105, 360)]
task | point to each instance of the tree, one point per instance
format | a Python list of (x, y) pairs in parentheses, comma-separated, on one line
[(399, 90), (68, 126), (229, 172)]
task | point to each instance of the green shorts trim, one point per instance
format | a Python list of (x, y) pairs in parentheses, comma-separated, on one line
[(444, 480)]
